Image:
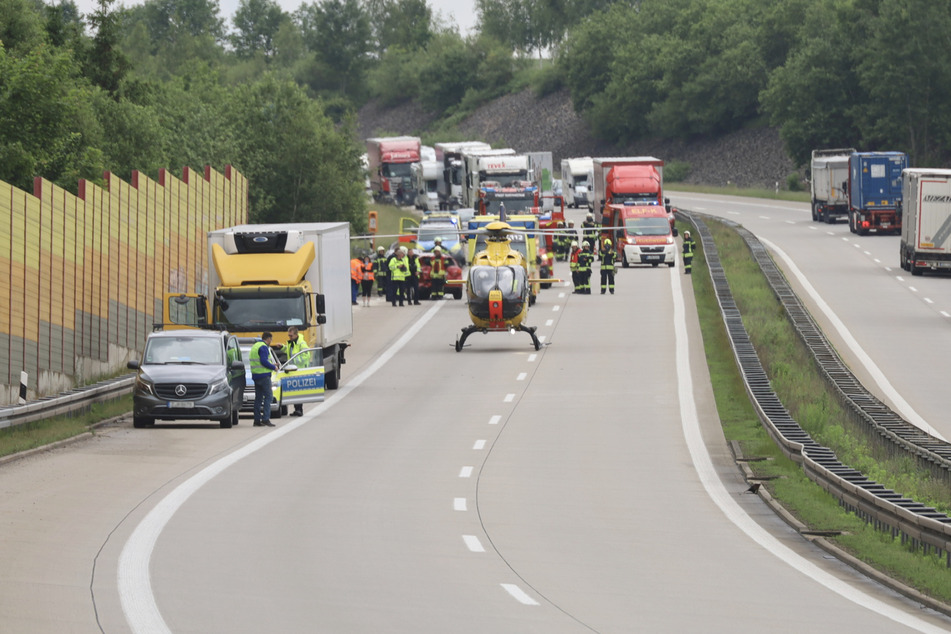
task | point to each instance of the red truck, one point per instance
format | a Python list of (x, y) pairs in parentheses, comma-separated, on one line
[(390, 160), (627, 180)]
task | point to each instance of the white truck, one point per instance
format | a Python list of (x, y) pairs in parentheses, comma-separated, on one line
[(830, 184), (453, 175), (425, 179), (577, 175), (926, 224), (503, 167), (273, 276)]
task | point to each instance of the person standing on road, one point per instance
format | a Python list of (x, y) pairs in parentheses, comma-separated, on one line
[(295, 344), (437, 274), (573, 265), (356, 276), (412, 281), (585, 260), (381, 271), (366, 285), (688, 249), (399, 271), (261, 369), (589, 231), (608, 256)]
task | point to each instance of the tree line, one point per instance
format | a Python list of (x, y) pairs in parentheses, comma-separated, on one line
[(170, 83)]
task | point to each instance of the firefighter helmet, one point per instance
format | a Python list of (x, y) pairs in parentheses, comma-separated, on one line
[(574, 243), (607, 243), (586, 244)]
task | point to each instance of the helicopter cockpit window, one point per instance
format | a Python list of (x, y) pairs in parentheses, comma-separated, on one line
[(511, 280)]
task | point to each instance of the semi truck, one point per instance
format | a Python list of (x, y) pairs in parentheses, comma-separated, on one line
[(390, 160), (517, 200), (452, 179), (502, 166), (576, 176), (629, 180), (425, 178), (926, 224), (875, 191), (270, 277), (829, 184)]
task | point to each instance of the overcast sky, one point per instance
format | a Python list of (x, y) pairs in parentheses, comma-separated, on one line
[(462, 12)]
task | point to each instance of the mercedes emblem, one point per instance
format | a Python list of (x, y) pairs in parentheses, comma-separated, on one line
[(180, 391)]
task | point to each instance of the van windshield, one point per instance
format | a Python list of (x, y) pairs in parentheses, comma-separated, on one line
[(647, 226), (203, 350)]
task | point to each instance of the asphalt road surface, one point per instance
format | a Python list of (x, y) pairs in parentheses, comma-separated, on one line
[(584, 487)]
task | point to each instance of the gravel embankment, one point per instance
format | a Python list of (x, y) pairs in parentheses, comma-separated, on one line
[(747, 158)]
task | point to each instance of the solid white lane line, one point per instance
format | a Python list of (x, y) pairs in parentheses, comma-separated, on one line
[(134, 583), (465, 472), (459, 504), (718, 493), (473, 543), (904, 408), (519, 594), (495, 420)]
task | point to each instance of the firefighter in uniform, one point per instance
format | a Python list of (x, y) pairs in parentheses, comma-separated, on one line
[(437, 274), (380, 271), (608, 257), (562, 243), (589, 231), (573, 265), (688, 249), (585, 260)]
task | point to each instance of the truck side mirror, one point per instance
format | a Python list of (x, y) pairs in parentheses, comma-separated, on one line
[(320, 306)]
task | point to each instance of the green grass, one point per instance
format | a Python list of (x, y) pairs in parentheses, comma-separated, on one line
[(803, 391), (40, 433), (771, 194)]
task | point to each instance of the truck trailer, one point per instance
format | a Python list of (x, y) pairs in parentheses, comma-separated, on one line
[(830, 184), (628, 180), (875, 191), (503, 164), (390, 160), (576, 176), (273, 276), (926, 223), (425, 185), (453, 174)]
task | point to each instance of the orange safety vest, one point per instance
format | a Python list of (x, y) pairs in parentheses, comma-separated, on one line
[(368, 271), (356, 269)]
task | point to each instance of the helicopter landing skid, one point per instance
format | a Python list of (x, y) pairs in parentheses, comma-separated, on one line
[(461, 341)]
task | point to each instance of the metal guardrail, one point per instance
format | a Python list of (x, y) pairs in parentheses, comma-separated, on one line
[(67, 403), (869, 500)]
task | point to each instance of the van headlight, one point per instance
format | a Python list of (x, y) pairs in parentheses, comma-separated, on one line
[(144, 386), (218, 386)]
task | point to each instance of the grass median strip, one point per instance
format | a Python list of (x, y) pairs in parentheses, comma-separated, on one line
[(800, 385)]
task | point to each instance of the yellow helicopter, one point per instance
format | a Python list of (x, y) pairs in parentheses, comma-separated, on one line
[(498, 287)]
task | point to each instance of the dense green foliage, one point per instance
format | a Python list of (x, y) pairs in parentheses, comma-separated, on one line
[(170, 83)]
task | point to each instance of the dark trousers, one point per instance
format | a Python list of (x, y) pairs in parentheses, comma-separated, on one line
[(399, 291), (262, 396), (607, 280), (412, 289)]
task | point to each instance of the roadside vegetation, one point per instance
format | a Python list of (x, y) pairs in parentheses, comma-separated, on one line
[(802, 389)]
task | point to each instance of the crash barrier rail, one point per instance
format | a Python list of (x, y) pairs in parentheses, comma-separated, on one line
[(885, 509), (67, 403)]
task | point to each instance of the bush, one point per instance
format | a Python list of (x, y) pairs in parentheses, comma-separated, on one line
[(676, 171), (793, 182)]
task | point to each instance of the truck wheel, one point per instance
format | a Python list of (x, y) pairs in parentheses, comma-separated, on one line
[(814, 216), (332, 378), (914, 269)]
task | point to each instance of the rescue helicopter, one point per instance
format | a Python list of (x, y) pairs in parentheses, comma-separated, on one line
[(498, 287)]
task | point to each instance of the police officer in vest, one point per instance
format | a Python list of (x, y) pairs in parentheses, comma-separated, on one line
[(261, 369), (295, 343)]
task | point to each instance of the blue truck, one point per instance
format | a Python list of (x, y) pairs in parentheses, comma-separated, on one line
[(875, 191)]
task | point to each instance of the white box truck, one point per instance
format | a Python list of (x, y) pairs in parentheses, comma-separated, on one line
[(425, 180), (830, 184), (577, 175), (926, 224)]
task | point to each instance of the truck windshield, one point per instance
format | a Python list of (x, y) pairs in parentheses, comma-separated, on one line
[(397, 170), (634, 199), (512, 205), (204, 350), (259, 311), (647, 226)]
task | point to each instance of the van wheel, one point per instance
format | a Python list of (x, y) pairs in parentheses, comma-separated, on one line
[(141, 421), (227, 421)]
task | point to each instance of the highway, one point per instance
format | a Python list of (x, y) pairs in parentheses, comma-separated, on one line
[(585, 487)]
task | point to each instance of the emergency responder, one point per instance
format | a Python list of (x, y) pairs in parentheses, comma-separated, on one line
[(261, 369), (399, 271), (356, 276), (437, 274), (688, 249), (295, 344), (412, 281), (366, 286), (573, 265), (585, 260), (608, 257), (562, 243), (589, 231), (381, 271)]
